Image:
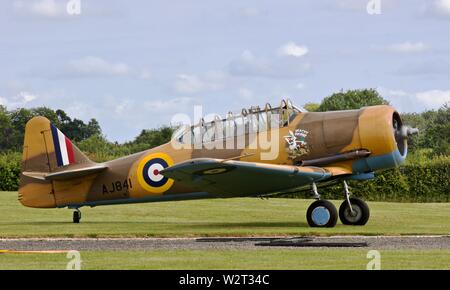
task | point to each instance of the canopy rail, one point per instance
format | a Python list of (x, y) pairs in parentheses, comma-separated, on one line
[(253, 119)]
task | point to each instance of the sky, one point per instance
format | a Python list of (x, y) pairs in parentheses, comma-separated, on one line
[(133, 65)]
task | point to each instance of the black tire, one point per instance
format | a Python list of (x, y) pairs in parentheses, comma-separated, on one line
[(76, 217), (325, 218), (362, 212)]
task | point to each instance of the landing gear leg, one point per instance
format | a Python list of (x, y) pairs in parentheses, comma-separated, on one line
[(314, 191), (353, 211), (321, 213), (347, 196), (76, 216)]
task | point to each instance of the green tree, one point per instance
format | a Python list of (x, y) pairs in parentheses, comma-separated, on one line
[(438, 132), (99, 149), (434, 135), (93, 128), (19, 119), (311, 107), (62, 117), (420, 121), (47, 113), (352, 99), (76, 130), (12, 126), (150, 138), (6, 130)]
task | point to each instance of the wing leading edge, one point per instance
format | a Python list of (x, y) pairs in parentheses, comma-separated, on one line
[(232, 178)]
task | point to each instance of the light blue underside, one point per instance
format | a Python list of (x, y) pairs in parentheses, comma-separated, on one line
[(371, 164)]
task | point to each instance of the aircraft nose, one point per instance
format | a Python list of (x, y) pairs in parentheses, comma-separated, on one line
[(401, 134)]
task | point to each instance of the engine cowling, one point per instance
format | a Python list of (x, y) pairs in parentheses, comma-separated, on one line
[(382, 132)]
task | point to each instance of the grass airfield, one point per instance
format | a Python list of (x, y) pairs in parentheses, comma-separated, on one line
[(261, 259), (223, 217)]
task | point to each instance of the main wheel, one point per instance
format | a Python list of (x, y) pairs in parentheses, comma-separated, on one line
[(322, 213), (76, 217), (360, 214)]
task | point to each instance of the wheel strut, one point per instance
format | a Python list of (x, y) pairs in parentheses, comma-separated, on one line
[(314, 191), (347, 196)]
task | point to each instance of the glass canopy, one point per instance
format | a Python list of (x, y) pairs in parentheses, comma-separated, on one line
[(248, 121)]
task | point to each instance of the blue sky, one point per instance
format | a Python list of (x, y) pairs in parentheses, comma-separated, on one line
[(134, 64)]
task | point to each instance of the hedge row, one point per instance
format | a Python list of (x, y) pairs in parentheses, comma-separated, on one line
[(425, 182), (9, 171)]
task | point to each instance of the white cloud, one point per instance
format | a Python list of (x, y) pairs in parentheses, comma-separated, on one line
[(3, 101), (300, 86), (44, 8), (192, 84), (123, 107), (442, 7), (292, 49), (397, 93), (415, 101), (251, 11), (188, 84), (91, 67), (145, 74), (27, 97), (274, 67), (353, 5), (407, 47), (429, 67), (434, 98), (170, 105), (19, 100), (248, 64), (95, 66), (245, 94), (360, 6)]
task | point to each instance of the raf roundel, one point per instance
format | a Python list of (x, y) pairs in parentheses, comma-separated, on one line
[(149, 175)]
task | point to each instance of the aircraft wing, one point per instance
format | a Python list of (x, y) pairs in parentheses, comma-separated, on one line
[(229, 177)]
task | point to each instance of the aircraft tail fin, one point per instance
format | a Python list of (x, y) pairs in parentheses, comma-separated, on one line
[(47, 155), (47, 149)]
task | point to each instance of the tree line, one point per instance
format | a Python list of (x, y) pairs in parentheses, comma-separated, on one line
[(12, 126), (87, 136), (433, 139)]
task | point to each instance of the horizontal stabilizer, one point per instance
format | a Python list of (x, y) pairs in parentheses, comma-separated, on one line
[(66, 174)]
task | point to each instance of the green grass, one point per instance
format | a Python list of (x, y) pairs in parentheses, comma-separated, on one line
[(234, 259), (222, 217)]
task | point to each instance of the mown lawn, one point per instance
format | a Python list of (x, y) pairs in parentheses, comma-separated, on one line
[(221, 217), (258, 259)]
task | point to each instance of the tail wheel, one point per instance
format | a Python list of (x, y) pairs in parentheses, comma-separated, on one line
[(76, 216), (322, 214), (360, 214)]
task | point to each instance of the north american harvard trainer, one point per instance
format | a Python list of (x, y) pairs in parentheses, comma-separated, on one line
[(315, 149)]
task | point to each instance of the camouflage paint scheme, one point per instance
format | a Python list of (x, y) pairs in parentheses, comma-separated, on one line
[(203, 173)]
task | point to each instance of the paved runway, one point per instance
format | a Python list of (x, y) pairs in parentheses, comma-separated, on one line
[(103, 244)]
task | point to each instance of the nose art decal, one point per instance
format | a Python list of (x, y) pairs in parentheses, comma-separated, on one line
[(296, 143)]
